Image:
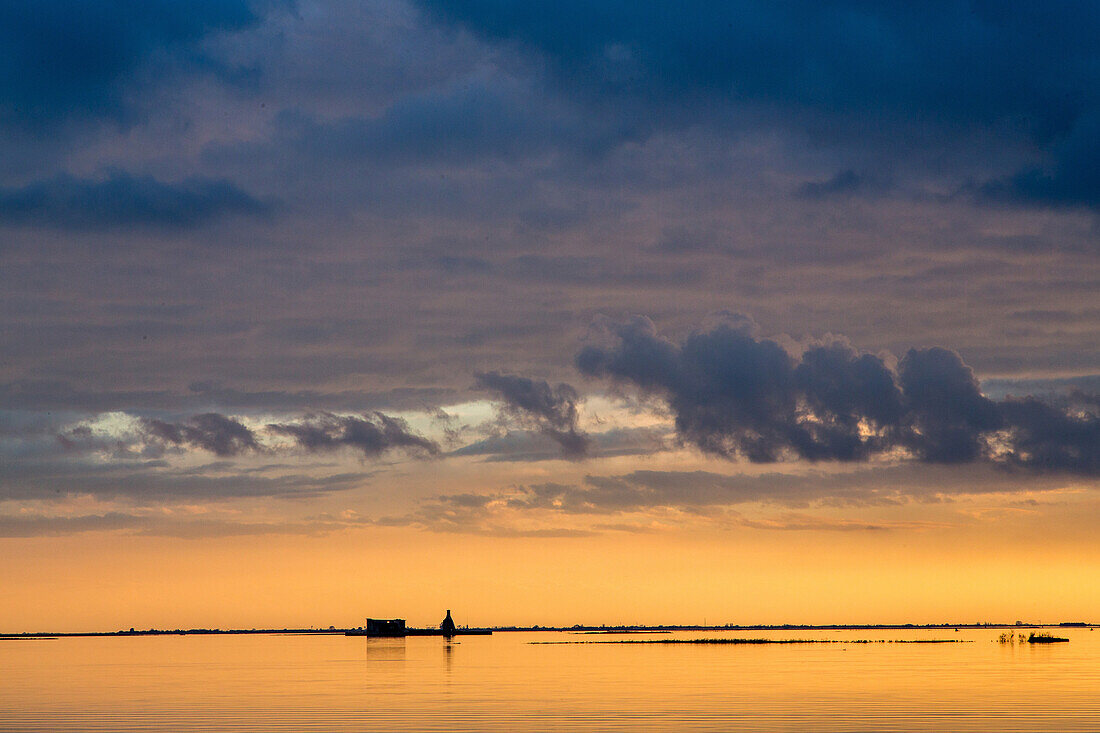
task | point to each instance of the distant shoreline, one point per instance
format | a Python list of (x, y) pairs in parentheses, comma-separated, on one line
[(575, 628)]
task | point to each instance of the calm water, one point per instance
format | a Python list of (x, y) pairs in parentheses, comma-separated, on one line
[(504, 683)]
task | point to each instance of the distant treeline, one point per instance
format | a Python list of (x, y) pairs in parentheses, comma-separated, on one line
[(575, 627)]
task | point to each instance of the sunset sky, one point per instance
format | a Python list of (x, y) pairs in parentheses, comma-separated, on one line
[(548, 312)]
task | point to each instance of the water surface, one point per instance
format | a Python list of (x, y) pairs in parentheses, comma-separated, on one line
[(504, 683)]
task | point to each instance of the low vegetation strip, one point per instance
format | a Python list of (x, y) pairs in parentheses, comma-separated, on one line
[(763, 641)]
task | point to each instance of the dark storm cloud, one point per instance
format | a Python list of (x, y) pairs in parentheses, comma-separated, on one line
[(65, 59), (371, 434), (839, 69), (735, 394), (221, 435), (553, 409), (121, 200)]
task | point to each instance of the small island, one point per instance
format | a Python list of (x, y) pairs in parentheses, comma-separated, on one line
[(1045, 639)]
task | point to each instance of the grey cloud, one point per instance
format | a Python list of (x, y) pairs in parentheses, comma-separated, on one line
[(123, 200), (153, 480), (697, 490), (225, 436), (644, 490), (683, 240), (468, 514), (711, 496), (39, 525), (210, 431), (397, 398), (623, 527), (844, 183), (82, 439), (44, 526), (801, 522), (595, 271), (1054, 438), (532, 446), (42, 394), (947, 410), (1047, 389), (567, 270), (198, 529), (514, 445), (370, 434), (553, 409), (734, 394)]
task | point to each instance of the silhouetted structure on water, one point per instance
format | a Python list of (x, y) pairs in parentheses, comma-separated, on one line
[(385, 627), (395, 627), (448, 625)]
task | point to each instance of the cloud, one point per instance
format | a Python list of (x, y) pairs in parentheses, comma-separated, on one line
[(532, 446), (371, 434), (121, 200), (63, 60), (221, 435), (844, 183), (43, 526), (471, 514), (793, 521), (734, 394), (552, 409), (154, 480), (947, 413), (475, 118), (650, 501), (43, 394), (1047, 389), (1070, 177), (1054, 438), (39, 525), (688, 490), (847, 73)]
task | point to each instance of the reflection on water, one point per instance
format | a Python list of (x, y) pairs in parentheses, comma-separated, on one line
[(503, 683), (385, 649)]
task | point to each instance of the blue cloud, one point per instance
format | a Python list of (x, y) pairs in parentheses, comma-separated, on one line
[(914, 74), (64, 59), (123, 200), (474, 119)]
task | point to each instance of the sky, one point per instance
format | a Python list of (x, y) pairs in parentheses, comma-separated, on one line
[(548, 313)]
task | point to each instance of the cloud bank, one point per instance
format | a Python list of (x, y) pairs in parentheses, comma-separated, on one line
[(847, 73), (733, 394), (123, 200)]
